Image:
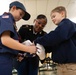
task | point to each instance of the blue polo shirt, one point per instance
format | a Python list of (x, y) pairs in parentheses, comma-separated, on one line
[(7, 23), (61, 42)]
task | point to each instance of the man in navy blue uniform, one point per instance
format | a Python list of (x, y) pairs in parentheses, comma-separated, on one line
[(9, 43), (29, 65), (62, 42)]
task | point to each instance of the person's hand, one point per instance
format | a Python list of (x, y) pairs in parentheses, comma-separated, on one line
[(32, 47), (40, 51), (20, 57)]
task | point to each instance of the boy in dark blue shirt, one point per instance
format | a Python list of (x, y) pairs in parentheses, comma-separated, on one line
[(61, 42), (9, 43)]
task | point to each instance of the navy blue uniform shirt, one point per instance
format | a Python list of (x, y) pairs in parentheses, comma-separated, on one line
[(7, 23), (61, 41)]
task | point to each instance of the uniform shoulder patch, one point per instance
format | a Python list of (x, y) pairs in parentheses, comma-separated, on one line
[(25, 26), (5, 16)]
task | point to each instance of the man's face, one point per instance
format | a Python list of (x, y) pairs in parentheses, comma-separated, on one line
[(39, 24)]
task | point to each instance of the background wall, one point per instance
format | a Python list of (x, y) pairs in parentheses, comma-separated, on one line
[(35, 7)]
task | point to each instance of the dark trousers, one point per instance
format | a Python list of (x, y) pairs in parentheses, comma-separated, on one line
[(28, 66), (6, 61)]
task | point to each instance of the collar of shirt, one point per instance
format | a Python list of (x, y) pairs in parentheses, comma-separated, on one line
[(34, 32)]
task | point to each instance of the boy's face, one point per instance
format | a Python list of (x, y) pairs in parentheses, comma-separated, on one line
[(57, 17), (39, 24), (17, 13)]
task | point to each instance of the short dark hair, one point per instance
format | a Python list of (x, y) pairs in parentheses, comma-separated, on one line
[(41, 16)]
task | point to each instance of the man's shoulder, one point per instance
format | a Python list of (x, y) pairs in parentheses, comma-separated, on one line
[(27, 26), (5, 15)]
